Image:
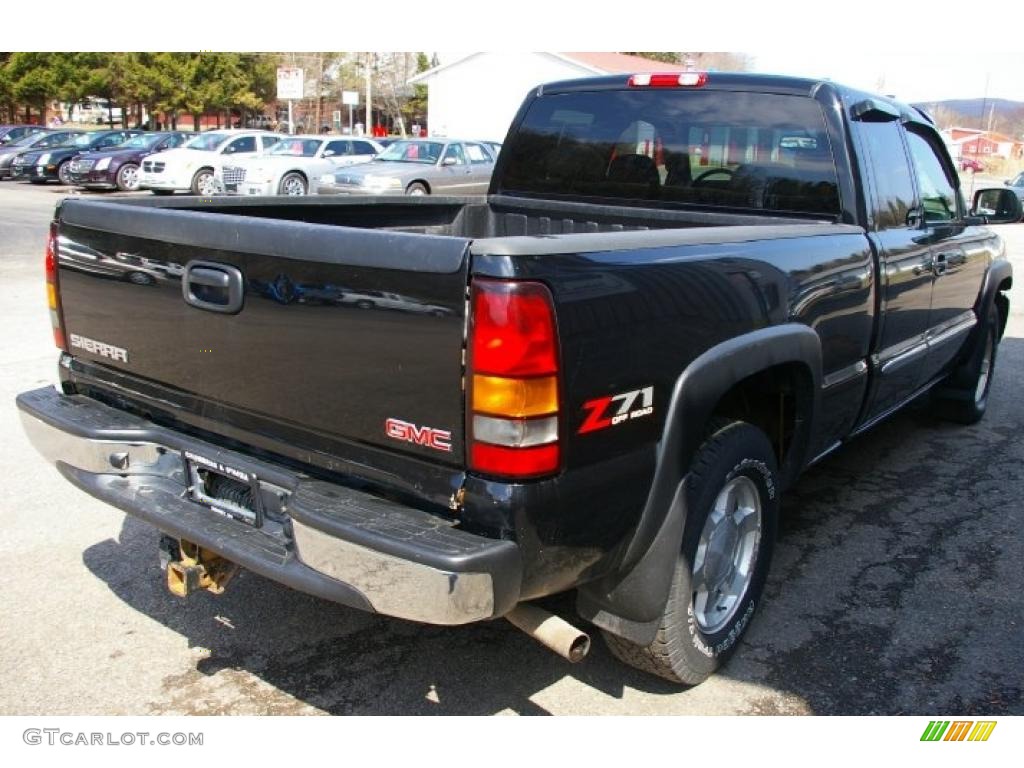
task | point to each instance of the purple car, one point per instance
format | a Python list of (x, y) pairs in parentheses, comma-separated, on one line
[(118, 168)]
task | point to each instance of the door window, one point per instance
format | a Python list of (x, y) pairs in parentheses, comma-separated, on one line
[(244, 144), (938, 193), (455, 150), (337, 148), (894, 184), (477, 154)]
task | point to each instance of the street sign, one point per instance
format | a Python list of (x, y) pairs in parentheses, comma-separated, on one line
[(289, 83), (350, 97)]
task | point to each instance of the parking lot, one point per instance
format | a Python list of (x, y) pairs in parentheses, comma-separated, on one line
[(896, 588)]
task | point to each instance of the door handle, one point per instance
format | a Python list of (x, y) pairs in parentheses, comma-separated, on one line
[(213, 287), (940, 264)]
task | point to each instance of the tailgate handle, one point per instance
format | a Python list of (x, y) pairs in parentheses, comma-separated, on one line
[(213, 287)]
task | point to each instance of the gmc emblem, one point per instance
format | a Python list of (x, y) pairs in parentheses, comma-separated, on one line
[(438, 439)]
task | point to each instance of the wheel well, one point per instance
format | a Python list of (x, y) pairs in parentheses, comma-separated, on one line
[(773, 400), (419, 181)]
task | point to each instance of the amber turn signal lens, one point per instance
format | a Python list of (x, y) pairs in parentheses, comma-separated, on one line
[(517, 398)]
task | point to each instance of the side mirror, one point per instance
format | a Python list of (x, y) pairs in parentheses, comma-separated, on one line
[(998, 206), (329, 153), (449, 161)]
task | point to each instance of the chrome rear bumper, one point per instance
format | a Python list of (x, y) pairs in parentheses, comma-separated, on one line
[(336, 542)]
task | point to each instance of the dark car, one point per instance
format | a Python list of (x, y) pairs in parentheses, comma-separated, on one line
[(41, 140), (118, 168), (9, 133), (55, 165)]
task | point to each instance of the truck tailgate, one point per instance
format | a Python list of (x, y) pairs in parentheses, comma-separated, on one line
[(338, 330)]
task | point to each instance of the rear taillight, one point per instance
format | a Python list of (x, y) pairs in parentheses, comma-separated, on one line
[(513, 380), (53, 289)]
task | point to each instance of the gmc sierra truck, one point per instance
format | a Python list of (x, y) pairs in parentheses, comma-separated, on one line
[(682, 290)]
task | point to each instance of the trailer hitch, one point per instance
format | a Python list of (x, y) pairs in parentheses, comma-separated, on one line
[(191, 568)]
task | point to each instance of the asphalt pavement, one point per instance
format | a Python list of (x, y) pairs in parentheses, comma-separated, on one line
[(897, 584)]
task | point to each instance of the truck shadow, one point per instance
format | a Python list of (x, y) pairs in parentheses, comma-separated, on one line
[(895, 588), (312, 655)]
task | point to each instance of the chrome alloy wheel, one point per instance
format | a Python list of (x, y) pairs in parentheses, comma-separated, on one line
[(206, 184), (129, 177), (723, 566), (293, 186)]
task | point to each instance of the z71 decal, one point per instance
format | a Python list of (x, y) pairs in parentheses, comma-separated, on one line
[(613, 410)]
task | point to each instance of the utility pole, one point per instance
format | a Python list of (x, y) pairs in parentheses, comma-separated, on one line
[(319, 89), (369, 94)]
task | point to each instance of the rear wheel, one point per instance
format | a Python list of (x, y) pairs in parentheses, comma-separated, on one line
[(732, 503), (293, 185), (416, 189), (128, 177)]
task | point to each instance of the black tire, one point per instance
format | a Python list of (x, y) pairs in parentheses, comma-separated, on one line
[(416, 189), (963, 396), (203, 178), (139, 278), (64, 173), (293, 184), (688, 647), (127, 179)]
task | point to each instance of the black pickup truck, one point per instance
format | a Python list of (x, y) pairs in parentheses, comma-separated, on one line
[(682, 290)]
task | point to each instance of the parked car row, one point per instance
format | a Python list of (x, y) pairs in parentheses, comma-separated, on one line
[(294, 165), (54, 164), (418, 167), (247, 162)]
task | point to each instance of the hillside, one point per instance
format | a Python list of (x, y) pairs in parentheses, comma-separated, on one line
[(1006, 116)]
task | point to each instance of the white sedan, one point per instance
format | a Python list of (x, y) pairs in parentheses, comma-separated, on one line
[(294, 165), (192, 166)]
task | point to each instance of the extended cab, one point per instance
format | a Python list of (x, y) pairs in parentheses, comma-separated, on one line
[(681, 291)]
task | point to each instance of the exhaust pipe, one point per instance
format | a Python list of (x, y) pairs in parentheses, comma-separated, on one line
[(551, 631)]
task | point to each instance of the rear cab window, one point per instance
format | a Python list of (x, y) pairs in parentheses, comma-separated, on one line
[(672, 148)]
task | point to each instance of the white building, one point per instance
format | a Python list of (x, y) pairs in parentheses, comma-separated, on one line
[(477, 96)]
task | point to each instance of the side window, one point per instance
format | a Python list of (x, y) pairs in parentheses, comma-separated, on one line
[(336, 148), (269, 141), (938, 194), (172, 141), (894, 185), (363, 148), (477, 154), (112, 140), (455, 150), (244, 144)]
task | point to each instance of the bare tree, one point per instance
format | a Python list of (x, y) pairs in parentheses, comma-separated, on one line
[(392, 86)]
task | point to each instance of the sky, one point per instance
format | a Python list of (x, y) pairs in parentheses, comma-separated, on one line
[(876, 45), (910, 77)]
